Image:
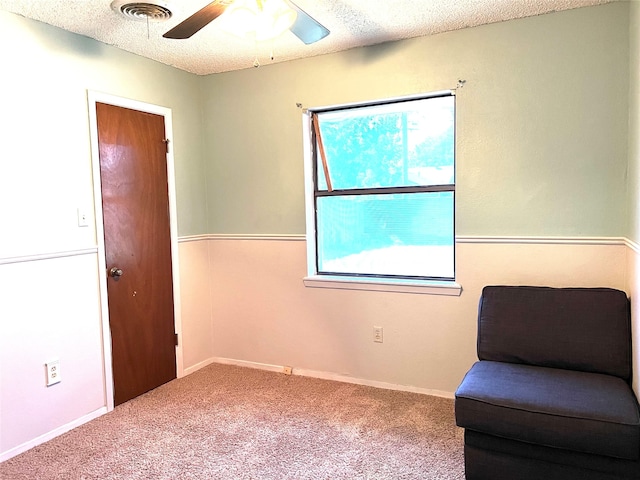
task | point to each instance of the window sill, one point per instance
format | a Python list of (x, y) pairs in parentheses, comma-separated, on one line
[(425, 287)]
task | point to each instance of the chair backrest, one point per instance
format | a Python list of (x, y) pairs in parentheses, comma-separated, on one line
[(585, 329)]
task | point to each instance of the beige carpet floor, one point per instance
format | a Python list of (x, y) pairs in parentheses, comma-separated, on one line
[(226, 422)]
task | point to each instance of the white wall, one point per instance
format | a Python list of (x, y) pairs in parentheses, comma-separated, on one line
[(633, 185), (263, 314), (542, 128), (49, 301), (243, 300), (196, 301), (632, 288), (48, 311)]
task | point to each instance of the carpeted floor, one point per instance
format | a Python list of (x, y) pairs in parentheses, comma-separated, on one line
[(226, 422)]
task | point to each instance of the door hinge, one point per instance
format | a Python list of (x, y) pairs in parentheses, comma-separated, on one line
[(166, 144), (176, 339)]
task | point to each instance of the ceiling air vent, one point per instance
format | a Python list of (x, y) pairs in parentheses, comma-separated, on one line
[(158, 11)]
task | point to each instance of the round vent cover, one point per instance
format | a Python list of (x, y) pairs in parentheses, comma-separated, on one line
[(142, 10)]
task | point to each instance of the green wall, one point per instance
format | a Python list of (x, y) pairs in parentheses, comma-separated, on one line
[(542, 127), (542, 124), (45, 164), (633, 200)]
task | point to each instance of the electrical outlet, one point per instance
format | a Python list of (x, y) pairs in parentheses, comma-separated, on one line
[(53, 372), (287, 370), (377, 334)]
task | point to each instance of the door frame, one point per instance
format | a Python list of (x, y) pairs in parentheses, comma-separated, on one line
[(99, 97)]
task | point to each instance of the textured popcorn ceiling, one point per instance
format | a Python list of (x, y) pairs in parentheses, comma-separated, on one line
[(352, 23)]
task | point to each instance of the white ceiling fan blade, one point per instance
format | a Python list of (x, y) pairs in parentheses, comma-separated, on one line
[(307, 28)]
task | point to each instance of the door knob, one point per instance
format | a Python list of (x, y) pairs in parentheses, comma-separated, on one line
[(115, 272)]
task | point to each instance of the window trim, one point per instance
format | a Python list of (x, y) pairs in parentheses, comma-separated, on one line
[(379, 284), (358, 282)]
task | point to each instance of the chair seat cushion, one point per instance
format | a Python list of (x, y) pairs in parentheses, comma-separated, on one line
[(579, 411)]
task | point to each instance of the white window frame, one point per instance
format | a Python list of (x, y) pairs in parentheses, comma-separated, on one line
[(346, 282)]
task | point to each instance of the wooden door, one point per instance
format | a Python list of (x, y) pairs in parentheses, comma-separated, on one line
[(135, 205)]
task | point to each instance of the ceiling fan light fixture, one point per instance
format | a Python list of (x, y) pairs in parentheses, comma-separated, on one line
[(259, 19)]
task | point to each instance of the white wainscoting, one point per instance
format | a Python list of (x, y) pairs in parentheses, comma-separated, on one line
[(244, 303), (261, 313), (633, 290), (50, 309)]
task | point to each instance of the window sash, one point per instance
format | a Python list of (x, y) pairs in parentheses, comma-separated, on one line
[(364, 238), (319, 160), (386, 190)]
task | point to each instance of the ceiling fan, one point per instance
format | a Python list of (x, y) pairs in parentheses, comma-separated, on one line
[(306, 28)]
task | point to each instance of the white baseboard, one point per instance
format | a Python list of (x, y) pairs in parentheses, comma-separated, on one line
[(331, 376), (371, 383), (52, 434), (230, 361), (244, 363), (197, 366)]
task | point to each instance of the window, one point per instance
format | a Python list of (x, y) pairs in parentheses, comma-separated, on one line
[(381, 190)]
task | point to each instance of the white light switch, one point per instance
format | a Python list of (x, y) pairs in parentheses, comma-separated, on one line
[(83, 219)]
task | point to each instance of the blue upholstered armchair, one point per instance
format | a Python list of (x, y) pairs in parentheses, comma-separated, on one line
[(550, 397)]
